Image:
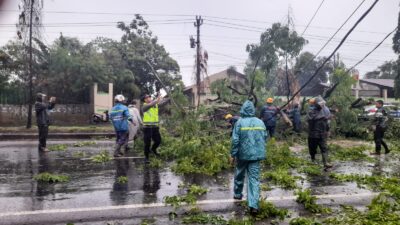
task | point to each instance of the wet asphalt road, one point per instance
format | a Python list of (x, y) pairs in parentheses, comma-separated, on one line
[(93, 193)]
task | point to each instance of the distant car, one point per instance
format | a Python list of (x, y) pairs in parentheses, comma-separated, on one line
[(370, 110)]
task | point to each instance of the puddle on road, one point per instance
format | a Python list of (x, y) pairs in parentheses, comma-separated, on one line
[(95, 184)]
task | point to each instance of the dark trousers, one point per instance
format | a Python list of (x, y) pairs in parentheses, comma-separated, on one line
[(271, 131), (151, 133), (43, 133), (378, 138), (314, 143), (122, 137)]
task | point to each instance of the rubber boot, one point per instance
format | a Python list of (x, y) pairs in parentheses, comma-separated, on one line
[(387, 150), (146, 158), (325, 161), (117, 152), (155, 152)]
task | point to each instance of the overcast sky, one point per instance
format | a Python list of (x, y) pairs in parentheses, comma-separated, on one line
[(229, 25)]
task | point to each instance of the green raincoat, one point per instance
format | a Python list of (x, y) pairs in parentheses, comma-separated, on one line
[(248, 147)]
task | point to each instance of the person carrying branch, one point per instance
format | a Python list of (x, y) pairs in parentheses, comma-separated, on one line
[(379, 126), (42, 118), (248, 149), (318, 117), (269, 114), (151, 130)]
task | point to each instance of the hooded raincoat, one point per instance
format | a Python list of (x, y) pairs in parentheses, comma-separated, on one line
[(248, 147)]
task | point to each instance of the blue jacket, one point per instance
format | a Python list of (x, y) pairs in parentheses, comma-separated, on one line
[(119, 116), (269, 115), (249, 135)]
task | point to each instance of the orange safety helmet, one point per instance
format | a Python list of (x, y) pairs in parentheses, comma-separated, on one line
[(270, 100)]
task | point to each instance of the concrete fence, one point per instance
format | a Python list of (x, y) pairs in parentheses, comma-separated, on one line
[(72, 114)]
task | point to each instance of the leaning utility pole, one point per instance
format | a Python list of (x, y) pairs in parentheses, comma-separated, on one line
[(29, 123), (197, 24), (28, 28)]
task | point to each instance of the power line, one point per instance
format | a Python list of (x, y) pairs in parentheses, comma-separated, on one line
[(369, 53), (107, 13), (236, 24), (231, 27), (333, 53), (312, 18), (348, 18), (187, 15)]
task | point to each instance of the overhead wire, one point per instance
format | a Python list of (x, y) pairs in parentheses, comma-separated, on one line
[(332, 54), (370, 52), (312, 18)]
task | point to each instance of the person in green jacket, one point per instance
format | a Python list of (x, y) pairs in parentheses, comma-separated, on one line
[(248, 149)]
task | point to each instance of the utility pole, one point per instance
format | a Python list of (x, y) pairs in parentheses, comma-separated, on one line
[(29, 123), (197, 24), (286, 57)]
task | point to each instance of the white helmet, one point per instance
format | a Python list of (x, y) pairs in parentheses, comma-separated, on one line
[(119, 98)]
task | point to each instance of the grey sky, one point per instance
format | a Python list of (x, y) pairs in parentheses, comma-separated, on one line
[(226, 46)]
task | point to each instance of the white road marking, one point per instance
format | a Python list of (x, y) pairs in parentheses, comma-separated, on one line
[(116, 158), (158, 205)]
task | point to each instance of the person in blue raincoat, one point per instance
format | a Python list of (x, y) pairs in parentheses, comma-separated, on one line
[(248, 149), (119, 117)]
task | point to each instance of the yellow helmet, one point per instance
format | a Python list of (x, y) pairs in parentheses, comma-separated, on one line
[(270, 100), (228, 116)]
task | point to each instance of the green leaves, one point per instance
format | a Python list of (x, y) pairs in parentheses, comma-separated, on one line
[(305, 198), (51, 178), (102, 157)]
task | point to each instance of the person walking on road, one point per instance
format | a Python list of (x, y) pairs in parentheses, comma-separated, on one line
[(318, 130), (269, 114), (135, 124), (151, 130), (42, 118), (248, 149), (119, 117), (380, 126)]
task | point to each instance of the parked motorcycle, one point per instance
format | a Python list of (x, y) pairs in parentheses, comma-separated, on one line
[(97, 118)]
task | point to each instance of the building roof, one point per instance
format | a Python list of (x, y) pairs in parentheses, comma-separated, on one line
[(218, 76), (380, 82)]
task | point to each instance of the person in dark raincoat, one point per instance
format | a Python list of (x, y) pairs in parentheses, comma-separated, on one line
[(42, 118), (380, 126), (248, 149), (296, 118), (269, 114), (318, 126)]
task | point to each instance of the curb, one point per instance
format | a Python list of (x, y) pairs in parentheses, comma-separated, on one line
[(25, 136)]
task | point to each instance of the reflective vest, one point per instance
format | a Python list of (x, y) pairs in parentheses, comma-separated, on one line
[(150, 117)]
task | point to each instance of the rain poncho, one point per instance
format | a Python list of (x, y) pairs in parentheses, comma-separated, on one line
[(119, 116), (248, 147), (249, 135)]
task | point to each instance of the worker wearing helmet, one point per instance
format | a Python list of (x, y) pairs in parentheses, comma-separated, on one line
[(318, 117), (269, 115), (231, 120), (119, 117)]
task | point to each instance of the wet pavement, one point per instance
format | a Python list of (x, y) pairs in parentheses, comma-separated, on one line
[(95, 184)]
